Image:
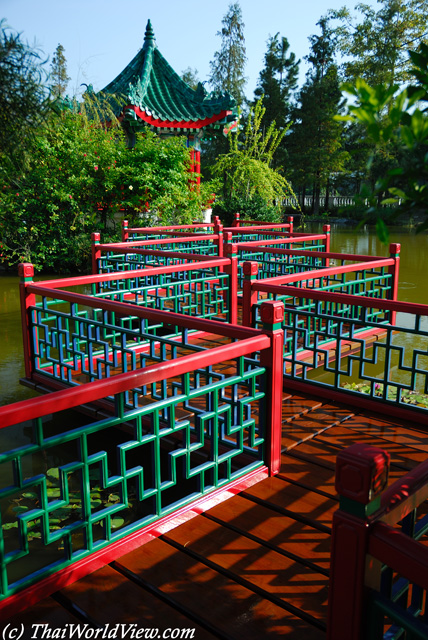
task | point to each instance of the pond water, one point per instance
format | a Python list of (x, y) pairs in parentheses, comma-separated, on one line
[(413, 288)]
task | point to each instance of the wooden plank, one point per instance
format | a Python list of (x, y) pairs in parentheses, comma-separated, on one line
[(279, 577), (296, 405), (108, 597), (48, 612), (308, 474), (232, 607), (343, 436), (308, 425), (297, 501), (405, 433), (283, 533)]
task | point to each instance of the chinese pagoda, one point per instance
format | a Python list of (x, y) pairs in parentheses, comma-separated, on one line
[(158, 98)]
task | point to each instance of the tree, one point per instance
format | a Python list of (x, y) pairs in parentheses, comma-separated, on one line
[(277, 80), (80, 175), (246, 173), (227, 68), (405, 126), (58, 76), (378, 41), (190, 77), (24, 99), (316, 142)]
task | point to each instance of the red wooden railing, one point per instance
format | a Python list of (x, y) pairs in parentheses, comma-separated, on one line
[(379, 571), (96, 398), (315, 279)]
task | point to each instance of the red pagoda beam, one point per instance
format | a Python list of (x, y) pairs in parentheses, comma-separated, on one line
[(182, 124)]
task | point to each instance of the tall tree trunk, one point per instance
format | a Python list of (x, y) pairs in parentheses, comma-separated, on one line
[(303, 206)]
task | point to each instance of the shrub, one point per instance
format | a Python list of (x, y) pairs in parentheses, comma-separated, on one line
[(80, 176)]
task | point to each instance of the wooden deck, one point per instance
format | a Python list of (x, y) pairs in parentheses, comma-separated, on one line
[(253, 566)]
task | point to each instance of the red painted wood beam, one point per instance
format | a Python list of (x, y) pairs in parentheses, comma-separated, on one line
[(93, 391), (177, 124)]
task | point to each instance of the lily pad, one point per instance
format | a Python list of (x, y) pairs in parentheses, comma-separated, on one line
[(34, 534), (115, 523), (53, 493), (20, 509), (10, 525)]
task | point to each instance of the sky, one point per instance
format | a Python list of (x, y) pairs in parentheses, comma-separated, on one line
[(100, 37)]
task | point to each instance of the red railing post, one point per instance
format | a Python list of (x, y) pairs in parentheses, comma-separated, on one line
[(249, 297), (361, 475), (394, 270), (218, 229), (227, 239), (290, 221), (272, 359), (125, 234), (231, 251), (326, 229), (26, 273), (96, 252), (235, 222)]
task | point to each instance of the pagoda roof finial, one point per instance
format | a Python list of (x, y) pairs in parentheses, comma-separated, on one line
[(149, 36)]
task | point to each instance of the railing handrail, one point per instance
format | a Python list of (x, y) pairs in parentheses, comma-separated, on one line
[(286, 240), (196, 257), (177, 319), (400, 497), (260, 228), (362, 530), (261, 285), (92, 391), (311, 254), (399, 552), (414, 308), (175, 240), (198, 225), (211, 261)]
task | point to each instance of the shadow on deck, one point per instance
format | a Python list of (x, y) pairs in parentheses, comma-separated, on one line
[(253, 566)]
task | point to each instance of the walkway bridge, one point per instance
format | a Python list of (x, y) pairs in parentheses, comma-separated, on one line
[(214, 446)]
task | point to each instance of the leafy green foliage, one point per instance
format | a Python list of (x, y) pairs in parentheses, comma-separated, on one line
[(58, 75), (407, 396), (249, 209), (24, 99), (227, 68), (375, 44), (316, 149), (398, 119), (277, 80), (69, 512), (82, 176), (245, 171)]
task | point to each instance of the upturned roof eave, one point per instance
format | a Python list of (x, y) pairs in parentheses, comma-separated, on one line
[(174, 124)]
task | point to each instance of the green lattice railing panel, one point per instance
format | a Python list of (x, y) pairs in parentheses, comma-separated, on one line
[(201, 292), (72, 485), (359, 352)]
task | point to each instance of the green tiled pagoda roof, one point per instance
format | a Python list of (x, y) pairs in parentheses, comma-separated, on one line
[(157, 94)]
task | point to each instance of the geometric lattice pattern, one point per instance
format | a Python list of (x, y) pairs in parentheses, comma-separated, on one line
[(387, 363), (76, 343), (399, 608), (73, 485), (202, 292), (272, 263)]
